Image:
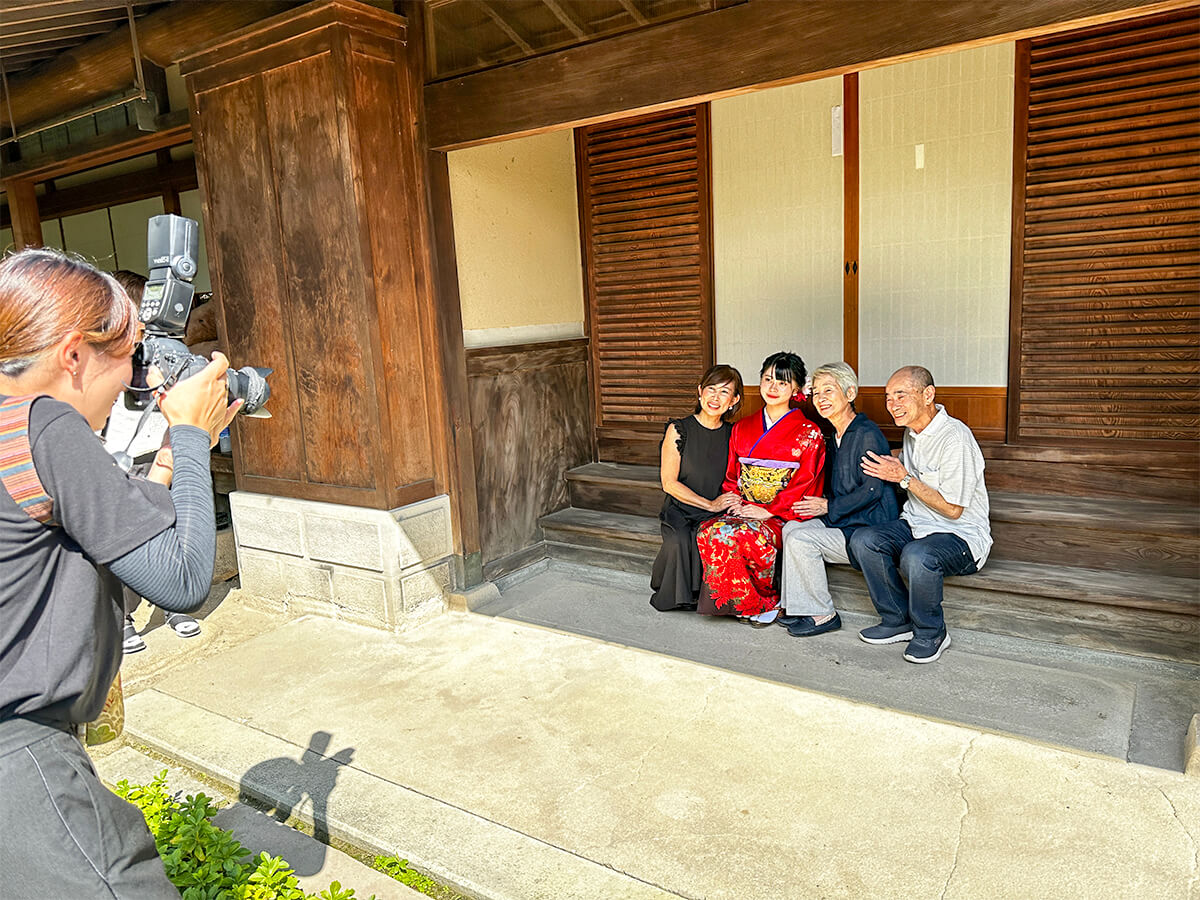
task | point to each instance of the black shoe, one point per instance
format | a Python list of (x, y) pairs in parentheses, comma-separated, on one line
[(787, 621), (886, 634), (806, 627), (926, 650)]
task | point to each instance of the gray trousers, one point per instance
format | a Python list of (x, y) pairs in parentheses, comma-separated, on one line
[(64, 833), (807, 546)]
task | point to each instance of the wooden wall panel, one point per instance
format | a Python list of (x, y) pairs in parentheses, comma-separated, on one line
[(251, 321), (981, 408), (646, 226), (323, 266), (530, 420), (1106, 262)]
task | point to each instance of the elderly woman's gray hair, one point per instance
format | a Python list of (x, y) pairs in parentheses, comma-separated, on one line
[(842, 375)]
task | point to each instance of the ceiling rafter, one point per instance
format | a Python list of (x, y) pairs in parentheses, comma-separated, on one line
[(573, 25), (504, 26), (634, 12)]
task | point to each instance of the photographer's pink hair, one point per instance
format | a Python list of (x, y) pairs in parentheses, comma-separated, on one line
[(45, 295)]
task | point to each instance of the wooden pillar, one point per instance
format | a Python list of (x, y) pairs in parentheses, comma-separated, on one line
[(314, 189), (850, 219), (23, 209)]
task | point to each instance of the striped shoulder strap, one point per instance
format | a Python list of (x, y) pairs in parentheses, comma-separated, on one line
[(17, 474)]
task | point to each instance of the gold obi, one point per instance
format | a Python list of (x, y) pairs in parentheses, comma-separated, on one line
[(761, 480)]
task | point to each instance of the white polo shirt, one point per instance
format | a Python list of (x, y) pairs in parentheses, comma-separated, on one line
[(946, 456)]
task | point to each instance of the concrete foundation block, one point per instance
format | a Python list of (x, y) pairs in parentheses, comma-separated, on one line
[(262, 573), (266, 523), (383, 568), (425, 586), (362, 595), (307, 579), (348, 540), (1191, 750)]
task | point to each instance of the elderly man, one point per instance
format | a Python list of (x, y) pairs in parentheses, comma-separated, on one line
[(943, 529)]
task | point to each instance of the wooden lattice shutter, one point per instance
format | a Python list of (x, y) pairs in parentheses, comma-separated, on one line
[(1106, 262), (645, 217)]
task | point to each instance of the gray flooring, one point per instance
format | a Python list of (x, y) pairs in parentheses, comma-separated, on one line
[(1106, 703)]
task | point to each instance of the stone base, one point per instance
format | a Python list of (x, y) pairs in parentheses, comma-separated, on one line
[(382, 568)]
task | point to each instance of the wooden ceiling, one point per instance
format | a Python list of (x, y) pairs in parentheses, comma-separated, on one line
[(470, 35), (33, 31)]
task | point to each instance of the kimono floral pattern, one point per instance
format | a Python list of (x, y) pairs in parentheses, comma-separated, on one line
[(739, 554)]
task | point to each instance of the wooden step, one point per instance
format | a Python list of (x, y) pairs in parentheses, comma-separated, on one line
[(616, 487), (1152, 615), (1138, 536), (1152, 537)]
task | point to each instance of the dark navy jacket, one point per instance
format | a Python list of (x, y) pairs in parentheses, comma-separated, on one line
[(855, 499)]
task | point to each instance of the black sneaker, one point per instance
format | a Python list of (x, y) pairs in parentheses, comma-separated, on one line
[(927, 650), (131, 641), (886, 634)]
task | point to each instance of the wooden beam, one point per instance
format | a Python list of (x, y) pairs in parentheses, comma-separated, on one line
[(178, 176), (23, 207), (17, 12), (174, 129), (731, 51), (103, 65)]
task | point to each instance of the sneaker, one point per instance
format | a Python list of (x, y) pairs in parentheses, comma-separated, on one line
[(926, 650), (131, 641), (183, 624), (886, 634)]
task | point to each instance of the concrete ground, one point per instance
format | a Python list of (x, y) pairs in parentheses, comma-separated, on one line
[(1128, 707), (514, 761)]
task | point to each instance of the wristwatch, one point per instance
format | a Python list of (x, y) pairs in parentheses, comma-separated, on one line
[(905, 481)]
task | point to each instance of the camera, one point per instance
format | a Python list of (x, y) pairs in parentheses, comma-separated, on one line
[(172, 246)]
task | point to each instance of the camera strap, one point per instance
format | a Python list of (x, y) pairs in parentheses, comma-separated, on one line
[(17, 473)]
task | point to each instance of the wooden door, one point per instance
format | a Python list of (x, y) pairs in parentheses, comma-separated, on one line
[(1105, 339), (646, 226)]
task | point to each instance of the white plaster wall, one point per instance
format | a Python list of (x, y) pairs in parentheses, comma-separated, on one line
[(935, 242), (129, 233), (90, 235), (777, 226), (516, 234)]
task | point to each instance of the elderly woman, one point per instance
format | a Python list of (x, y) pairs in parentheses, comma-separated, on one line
[(775, 459), (852, 499)]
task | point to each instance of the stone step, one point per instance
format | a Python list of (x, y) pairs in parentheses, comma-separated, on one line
[(1154, 615), (1144, 536)]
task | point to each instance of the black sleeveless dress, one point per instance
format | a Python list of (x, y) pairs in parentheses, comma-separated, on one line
[(678, 572)]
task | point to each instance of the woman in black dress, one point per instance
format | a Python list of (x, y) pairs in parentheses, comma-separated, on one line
[(694, 453)]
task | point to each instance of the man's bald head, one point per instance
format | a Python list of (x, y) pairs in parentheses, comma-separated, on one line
[(918, 376)]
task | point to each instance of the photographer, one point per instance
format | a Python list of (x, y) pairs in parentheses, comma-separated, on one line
[(67, 333)]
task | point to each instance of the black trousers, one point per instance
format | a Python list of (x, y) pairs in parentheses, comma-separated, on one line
[(64, 833)]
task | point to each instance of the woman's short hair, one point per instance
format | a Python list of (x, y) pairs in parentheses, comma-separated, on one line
[(45, 295), (785, 366), (722, 374), (842, 375)]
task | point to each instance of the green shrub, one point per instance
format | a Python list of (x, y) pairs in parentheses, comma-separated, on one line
[(399, 870), (206, 862)]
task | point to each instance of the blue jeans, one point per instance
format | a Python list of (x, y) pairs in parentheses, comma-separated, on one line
[(886, 552)]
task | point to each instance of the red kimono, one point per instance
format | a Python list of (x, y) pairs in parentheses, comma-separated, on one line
[(772, 468)]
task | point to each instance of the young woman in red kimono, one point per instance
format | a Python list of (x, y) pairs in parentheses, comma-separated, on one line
[(775, 459)]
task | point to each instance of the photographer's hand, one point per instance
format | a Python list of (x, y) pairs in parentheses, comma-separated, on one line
[(200, 400)]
